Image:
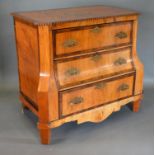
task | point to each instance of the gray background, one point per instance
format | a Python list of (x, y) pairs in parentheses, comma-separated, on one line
[(124, 133)]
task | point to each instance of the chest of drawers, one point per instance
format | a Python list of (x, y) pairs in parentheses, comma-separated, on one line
[(77, 64)]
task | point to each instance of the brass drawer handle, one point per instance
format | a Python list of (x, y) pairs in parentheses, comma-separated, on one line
[(121, 35), (100, 85), (76, 100), (123, 87), (72, 71), (96, 30), (70, 43), (96, 57), (120, 61)]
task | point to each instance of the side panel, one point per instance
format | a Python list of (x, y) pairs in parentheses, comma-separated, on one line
[(28, 61), (137, 63)]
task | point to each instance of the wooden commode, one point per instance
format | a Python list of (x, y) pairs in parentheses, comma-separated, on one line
[(77, 64)]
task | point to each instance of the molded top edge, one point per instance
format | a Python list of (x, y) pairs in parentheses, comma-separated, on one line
[(52, 16)]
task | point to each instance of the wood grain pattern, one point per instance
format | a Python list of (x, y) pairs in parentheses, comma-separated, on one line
[(48, 102), (137, 63), (95, 115), (43, 86), (96, 45), (53, 88), (27, 48), (88, 22), (62, 15), (92, 51), (89, 82), (91, 40), (93, 66), (96, 94), (47, 82)]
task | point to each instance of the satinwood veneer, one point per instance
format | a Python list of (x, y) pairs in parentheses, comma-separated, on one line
[(77, 64)]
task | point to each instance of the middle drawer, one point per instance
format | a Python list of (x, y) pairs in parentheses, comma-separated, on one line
[(99, 65)]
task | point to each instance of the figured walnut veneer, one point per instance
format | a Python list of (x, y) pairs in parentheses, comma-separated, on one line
[(77, 64)]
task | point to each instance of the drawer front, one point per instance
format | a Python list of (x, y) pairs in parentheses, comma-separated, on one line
[(97, 94), (79, 70), (94, 37)]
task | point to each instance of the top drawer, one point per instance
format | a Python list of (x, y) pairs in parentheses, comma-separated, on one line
[(84, 39)]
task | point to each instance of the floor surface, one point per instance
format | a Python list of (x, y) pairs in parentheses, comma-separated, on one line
[(123, 133)]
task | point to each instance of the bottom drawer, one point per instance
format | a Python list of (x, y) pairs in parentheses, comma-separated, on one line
[(82, 98)]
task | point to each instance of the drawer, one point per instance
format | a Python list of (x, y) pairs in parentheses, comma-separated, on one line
[(83, 39), (92, 67), (97, 94)]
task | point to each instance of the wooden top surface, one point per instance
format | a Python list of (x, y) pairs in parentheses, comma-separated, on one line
[(71, 14)]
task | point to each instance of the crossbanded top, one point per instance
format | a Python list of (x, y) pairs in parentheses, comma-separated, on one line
[(71, 14)]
